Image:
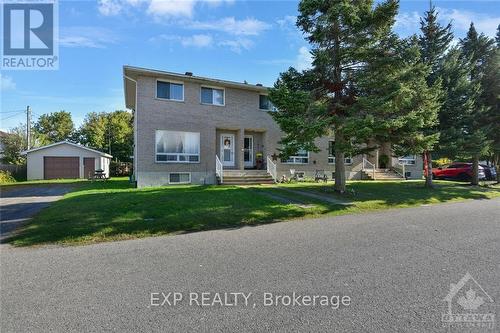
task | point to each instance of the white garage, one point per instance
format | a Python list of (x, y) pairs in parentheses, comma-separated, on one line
[(65, 160)]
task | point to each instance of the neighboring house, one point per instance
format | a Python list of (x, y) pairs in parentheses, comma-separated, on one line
[(65, 160), (190, 129)]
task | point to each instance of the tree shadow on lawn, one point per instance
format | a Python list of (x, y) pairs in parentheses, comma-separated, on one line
[(94, 217), (404, 193)]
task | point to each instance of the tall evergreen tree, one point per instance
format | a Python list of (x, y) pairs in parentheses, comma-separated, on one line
[(491, 97), (342, 34), (476, 50), (497, 37), (434, 42)]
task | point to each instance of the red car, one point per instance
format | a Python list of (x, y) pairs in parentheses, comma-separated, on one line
[(457, 170)]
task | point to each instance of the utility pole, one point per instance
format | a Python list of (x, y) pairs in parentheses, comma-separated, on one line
[(28, 127)]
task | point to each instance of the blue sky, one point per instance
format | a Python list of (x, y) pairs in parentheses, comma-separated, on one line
[(235, 40)]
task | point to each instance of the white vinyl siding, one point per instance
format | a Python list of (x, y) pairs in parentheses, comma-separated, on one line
[(177, 147), (212, 96), (173, 91)]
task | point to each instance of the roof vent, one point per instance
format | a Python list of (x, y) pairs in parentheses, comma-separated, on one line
[(188, 73), (259, 84)]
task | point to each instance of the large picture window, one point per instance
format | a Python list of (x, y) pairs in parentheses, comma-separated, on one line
[(331, 154), (169, 90), (301, 157), (177, 147), (212, 96)]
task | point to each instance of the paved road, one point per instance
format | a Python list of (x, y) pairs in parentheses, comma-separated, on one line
[(397, 267), (22, 202)]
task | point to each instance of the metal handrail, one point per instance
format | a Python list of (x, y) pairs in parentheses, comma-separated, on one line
[(219, 169), (365, 161), (271, 168), (403, 171)]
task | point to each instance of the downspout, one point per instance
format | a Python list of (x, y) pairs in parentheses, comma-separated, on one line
[(135, 127)]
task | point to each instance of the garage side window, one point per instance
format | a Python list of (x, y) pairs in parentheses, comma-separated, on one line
[(177, 147)]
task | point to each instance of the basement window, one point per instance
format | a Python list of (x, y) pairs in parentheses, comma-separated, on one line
[(179, 178)]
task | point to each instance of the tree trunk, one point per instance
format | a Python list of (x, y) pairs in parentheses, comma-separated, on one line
[(475, 171), (340, 183), (496, 164), (428, 176)]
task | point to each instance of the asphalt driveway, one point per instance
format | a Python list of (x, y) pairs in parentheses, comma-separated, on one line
[(396, 266), (19, 203)]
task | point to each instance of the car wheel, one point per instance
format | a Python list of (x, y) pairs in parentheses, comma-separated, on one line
[(463, 177)]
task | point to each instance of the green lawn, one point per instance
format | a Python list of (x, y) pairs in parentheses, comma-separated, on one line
[(113, 210)]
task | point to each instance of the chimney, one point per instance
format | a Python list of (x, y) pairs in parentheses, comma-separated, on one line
[(188, 73)]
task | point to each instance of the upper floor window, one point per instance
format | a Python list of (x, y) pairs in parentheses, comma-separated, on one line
[(331, 154), (177, 147), (212, 96), (301, 157), (265, 103), (408, 160), (170, 90)]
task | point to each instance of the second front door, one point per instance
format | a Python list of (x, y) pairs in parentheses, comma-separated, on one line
[(248, 151), (227, 149)]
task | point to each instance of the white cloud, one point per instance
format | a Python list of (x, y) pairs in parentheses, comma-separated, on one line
[(462, 18), (6, 83), (286, 22), (246, 27), (171, 8), (159, 9), (237, 45), (199, 41), (408, 21), (109, 7), (304, 59), (91, 37)]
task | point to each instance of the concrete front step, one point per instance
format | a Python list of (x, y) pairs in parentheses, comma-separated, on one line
[(381, 175), (247, 177)]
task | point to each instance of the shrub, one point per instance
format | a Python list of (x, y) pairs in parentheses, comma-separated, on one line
[(6, 177), (441, 162)]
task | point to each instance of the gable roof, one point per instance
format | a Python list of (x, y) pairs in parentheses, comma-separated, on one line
[(68, 143)]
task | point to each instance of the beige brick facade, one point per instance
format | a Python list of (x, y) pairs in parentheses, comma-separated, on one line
[(239, 116)]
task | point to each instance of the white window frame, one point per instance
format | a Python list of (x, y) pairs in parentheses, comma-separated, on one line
[(177, 161), (179, 183), (217, 88), (347, 160), (273, 109), (407, 161), (295, 159), (331, 158), (169, 99)]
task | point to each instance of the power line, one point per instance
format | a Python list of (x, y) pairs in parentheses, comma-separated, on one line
[(14, 115), (12, 111)]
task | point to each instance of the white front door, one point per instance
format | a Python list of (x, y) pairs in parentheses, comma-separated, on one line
[(248, 151), (227, 149)]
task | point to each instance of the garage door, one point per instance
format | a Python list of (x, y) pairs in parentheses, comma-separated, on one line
[(61, 167)]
